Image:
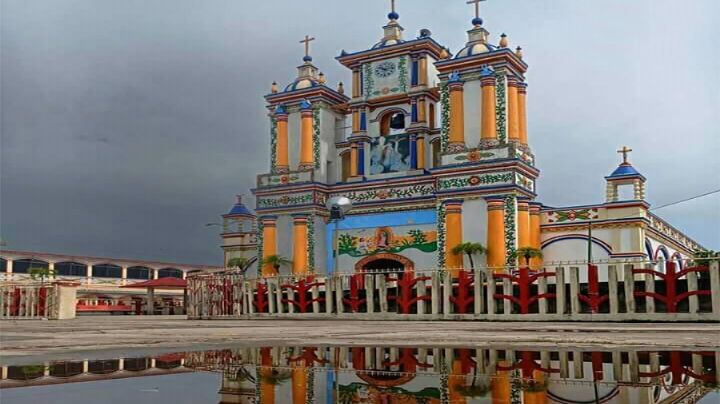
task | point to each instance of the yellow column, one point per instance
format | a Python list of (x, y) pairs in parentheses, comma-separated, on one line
[(306, 138), (300, 244), (536, 397), (488, 134), (422, 110), (457, 117), (356, 83), (353, 159), (523, 224), (496, 233), (267, 388), (282, 161), (422, 71), (356, 121), (535, 233), (420, 152), (500, 386), (513, 113), (269, 243), (522, 113), (453, 235), (456, 381)]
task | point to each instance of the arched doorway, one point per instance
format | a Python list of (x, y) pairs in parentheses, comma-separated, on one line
[(384, 263)]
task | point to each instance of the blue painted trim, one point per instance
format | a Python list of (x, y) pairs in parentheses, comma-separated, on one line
[(363, 121), (415, 73), (414, 113), (361, 159), (648, 248), (417, 217), (413, 153)]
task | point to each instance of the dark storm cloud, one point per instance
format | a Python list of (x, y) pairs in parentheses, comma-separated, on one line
[(128, 125)]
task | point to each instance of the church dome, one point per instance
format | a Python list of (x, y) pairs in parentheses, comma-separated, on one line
[(239, 209), (388, 42), (475, 49), (624, 170), (302, 83)]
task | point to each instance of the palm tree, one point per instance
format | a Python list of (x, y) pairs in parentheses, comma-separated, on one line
[(469, 249), (241, 263), (41, 273), (528, 253), (276, 261)]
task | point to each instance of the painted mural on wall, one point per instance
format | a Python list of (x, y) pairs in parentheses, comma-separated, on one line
[(367, 393), (370, 241), (389, 154)]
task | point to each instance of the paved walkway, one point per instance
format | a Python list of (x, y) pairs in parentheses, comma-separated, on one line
[(105, 336)]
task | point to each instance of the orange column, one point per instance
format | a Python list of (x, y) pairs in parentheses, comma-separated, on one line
[(306, 137), (356, 121), (500, 386), (300, 244), (513, 113), (540, 395), (269, 243), (356, 83), (422, 110), (353, 159), (299, 383), (457, 116), (453, 235), (496, 233), (488, 134), (422, 71), (456, 381), (535, 233), (282, 161), (267, 389), (523, 224), (522, 113)]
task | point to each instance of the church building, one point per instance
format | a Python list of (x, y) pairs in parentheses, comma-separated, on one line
[(433, 149)]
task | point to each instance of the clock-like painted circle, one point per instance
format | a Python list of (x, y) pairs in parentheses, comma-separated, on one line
[(385, 69)]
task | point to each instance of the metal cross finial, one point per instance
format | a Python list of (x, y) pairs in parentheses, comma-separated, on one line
[(392, 6), (307, 41), (625, 151), (477, 6)]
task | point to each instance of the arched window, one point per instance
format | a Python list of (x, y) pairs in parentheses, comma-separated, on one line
[(431, 121), (392, 123), (170, 273), (346, 169), (138, 273), (436, 157), (107, 271), (23, 266), (71, 269)]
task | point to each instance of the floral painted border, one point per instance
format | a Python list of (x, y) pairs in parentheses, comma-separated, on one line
[(403, 71), (525, 182), (390, 193), (311, 243), (273, 145), (369, 83), (285, 200), (445, 117), (510, 229), (441, 214), (560, 216), (260, 246), (473, 181), (501, 106), (316, 136)]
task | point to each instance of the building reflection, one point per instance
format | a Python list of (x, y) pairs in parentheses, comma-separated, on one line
[(388, 375)]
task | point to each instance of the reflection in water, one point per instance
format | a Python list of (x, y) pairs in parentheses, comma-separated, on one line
[(415, 375)]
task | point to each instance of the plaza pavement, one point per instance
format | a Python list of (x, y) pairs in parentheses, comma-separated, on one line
[(99, 337)]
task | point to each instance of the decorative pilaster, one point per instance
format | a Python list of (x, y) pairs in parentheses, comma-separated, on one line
[(535, 232), (282, 160), (300, 244), (457, 115), (422, 73), (513, 110), (453, 237), (501, 106), (422, 110), (353, 159), (420, 145), (269, 243), (361, 158), (413, 152), (495, 233), (413, 110), (522, 112), (488, 134), (356, 83), (510, 229), (306, 137)]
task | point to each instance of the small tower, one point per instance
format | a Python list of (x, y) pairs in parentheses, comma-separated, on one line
[(624, 175), (239, 232)]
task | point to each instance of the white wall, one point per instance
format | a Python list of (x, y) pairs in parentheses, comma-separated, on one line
[(472, 101), (475, 226)]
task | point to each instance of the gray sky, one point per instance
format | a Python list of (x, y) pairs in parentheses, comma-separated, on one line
[(128, 125)]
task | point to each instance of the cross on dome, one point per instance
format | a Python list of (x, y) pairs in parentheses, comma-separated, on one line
[(307, 41), (477, 20), (625, 151), (393, 14)]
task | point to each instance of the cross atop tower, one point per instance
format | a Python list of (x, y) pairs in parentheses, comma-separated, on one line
[(307, 41), (625, 151), (393, 15), (477, 20)]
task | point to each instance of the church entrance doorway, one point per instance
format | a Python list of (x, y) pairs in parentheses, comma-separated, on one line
[(384, 263)]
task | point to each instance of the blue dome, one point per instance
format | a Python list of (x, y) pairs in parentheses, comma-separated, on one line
[(302, 83), (475, 48), (239, 209), (477, 21), (394, 16), (624, 170), (307, 58)]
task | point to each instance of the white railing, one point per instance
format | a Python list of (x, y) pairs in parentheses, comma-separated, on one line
[(24, 301), (617, 291)]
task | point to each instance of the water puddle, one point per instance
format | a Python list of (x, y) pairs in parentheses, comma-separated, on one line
[(373, 374)]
